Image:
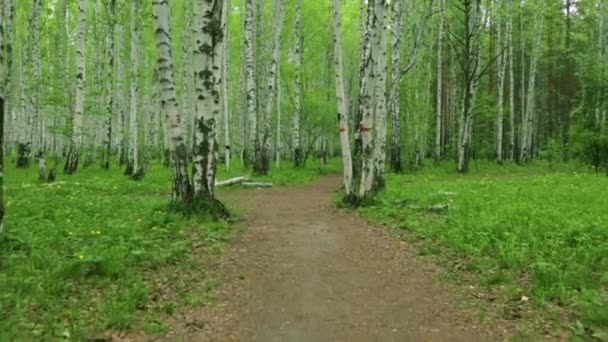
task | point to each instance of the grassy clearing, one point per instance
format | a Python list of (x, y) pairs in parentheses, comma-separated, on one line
[(530, 231), (100, 252)]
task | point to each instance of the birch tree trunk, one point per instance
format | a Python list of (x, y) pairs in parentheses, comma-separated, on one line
[(36, 81), (133, 157), (439, 115), (188, 74), (365, 76), (367, 117), (182, 188), (4, 57), (501, 86), (470, 57), (109, 89), (342, 103), (380, 96), (208, 62), (297, 87), (529, 117), (250, 82), (120, 96), (394, 102), (225, 87), (73, 156), (511, 57), (600, 111), (263, 157)]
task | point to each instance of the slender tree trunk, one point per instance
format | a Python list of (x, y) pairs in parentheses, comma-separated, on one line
[(108, 91), (365, 78), (380, 108), (367, 117), (250, 83), (394, 102), (120, 96), (73, 156), (36, 81), (470, 61), (188, 105), (209, 37), (4, 72), (439, 116), (263, 158), (342, 103), (511, 57), (297, 144), (501, 86), (225, 87), (182, 188), (278, 137), (529, 117), (133, 166), (600, 116)]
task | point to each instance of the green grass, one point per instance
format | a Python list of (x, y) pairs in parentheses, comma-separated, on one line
[(101, 251), (539, 233)]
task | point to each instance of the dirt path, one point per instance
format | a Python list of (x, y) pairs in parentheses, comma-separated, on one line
[(304, 271)]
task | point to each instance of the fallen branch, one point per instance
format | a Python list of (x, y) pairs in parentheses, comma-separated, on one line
[(257, 184), (231, 181)]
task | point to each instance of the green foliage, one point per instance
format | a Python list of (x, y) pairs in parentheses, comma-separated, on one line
[(98, 251), (541, 233), (78, 254)]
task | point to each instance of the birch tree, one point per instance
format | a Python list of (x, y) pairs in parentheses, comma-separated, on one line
[(469, 58), (380, 73), (250, 82), (394, 102), (108, 94), (133, 166), (263, 159), (439, 109), (182, 188), (77, 124), (529, 115), (38, 118), (120, 96), (208, 60), (502, 61), (511, 57), (342, 103), (297, 87), (4, 63)]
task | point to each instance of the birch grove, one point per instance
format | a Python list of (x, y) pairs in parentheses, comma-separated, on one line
[(459, 82)]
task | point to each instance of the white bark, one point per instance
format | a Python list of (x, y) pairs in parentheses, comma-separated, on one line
[(502, 63), (36, 81), (367, 116), (133, 163), (600, 111), (264, 155), (529, 117), (120, 95), (511, 57), (297, 87), (188, 105), (380, 96), (394, 102), (109, 86), (251, 87), (4, 57), (77, 124), (439, 117), (181, 183), (207, 58), (341, 100), (225, 87)]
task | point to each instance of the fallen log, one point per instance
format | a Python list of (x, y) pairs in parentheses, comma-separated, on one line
[(257, 184), (231, 181)]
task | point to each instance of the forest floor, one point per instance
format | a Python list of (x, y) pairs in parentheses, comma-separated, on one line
[(303, 270)]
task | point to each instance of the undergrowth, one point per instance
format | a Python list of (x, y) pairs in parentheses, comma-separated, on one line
[(541, 234), (97, 251)]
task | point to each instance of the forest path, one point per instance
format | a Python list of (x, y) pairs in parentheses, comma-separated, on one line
[(305, 271)]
